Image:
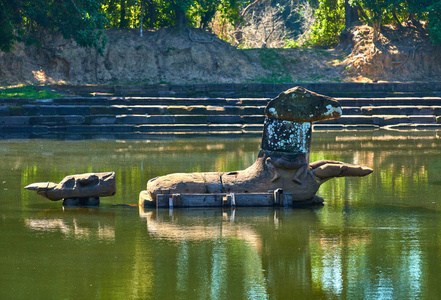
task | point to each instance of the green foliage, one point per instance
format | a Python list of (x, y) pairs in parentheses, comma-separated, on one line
[(276, 63), (84, 20), (28, 92), (291, 43), (330, 17), (273, 78), (414, 10), (81, 20), (377, 9), (434, 24), (330, 22), (7, 37), (160, 13)]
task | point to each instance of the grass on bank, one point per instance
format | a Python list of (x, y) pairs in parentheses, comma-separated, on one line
[(28, 92)]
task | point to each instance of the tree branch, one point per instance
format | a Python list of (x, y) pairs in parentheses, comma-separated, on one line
[(246, 9)]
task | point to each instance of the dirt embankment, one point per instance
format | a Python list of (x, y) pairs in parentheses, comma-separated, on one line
[(401, 54), (196, 56)]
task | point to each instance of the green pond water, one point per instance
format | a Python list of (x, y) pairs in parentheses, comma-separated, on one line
[(377, 237)]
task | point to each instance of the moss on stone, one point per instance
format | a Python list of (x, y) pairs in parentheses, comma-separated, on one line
[(301, 105)]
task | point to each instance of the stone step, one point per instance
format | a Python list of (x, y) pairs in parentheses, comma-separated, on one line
[(401, 110), (136, 132), (108, 101), (209, 106), (142, 129), (129, 120), (257, 89), (330, 127), (396, 101), (61, 110), (381, 120), (392, 110), (171, 101), (186, 119), (199, 121), (35, 110)]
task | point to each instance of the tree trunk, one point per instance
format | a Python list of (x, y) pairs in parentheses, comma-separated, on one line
[(376, 25), (122, 20), (394, 15), (151, 13), (351, 15), (181, 20), (246, 9), (361, 13)]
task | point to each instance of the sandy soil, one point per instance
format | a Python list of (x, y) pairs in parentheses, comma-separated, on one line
[(196, 56)]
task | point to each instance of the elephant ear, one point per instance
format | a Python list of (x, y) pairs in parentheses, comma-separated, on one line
[(326, 170)]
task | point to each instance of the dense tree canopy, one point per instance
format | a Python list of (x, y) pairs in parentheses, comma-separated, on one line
[(84, 20), (375, 13)]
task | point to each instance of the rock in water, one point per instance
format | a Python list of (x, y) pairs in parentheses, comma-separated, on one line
[(89, 185)]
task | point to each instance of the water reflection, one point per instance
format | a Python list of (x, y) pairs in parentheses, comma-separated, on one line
[(76, 223), (281, 254), (253, 254), (161, 225), (376, 237)]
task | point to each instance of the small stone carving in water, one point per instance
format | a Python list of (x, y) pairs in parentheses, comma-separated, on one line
[(281, 174), (80, 189)]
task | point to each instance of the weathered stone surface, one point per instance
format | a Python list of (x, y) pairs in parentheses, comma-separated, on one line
[(4, 110), (225, 128), (397, 110), (271, 171), (101, 119), (253, 110), (253, 119), (48, 110), (144, 109), (187, 110), (300, 105), (87, 185), (423, 119), (107, 110), (390, 120), (14, 120), (224, 119), (191, 119), (351, 110), (142, 119), (350, 119), (282, 163), (73, 109), (57, 120), (286, 136)]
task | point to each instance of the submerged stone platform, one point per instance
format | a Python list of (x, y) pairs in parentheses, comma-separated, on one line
[(272, 198)]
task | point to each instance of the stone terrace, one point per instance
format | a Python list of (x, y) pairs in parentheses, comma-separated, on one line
[(234, 109)]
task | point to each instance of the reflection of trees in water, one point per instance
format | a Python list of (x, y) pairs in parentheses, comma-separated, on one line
[(286, 254), (361, 245), (406, 165), (370, 254), (256, 254)]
